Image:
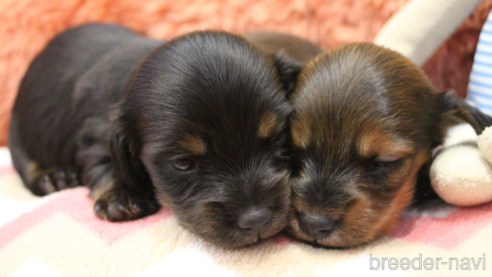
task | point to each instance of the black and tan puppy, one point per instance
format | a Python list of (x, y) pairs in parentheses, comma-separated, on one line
[(197, 124), (365, 122)]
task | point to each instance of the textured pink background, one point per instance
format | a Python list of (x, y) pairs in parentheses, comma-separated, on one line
[(27, 25)]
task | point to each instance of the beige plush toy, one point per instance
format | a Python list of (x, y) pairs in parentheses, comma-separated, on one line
[(461, 173)]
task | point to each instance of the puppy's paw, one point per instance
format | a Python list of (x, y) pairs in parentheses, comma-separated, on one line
[(53, 180), (119, 205)]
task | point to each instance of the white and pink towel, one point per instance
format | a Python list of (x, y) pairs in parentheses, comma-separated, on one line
[(58, 235)]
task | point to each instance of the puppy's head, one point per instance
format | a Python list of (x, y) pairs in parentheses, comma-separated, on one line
[(365, 121), (205, 123)]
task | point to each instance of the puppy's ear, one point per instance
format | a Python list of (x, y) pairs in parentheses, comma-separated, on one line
[(128, 169), (288, 70), (455, 109)]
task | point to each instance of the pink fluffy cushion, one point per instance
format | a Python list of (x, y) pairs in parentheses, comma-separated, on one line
[(27, 25)]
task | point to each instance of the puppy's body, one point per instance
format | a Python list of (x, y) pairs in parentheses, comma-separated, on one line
[(77, 77), (295, 47), (365, 122), (198, 124)]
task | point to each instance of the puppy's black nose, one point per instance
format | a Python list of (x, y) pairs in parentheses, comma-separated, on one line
[(316, 226), (253, 220)]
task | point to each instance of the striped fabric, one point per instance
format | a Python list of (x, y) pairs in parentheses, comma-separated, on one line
[(480, 87)]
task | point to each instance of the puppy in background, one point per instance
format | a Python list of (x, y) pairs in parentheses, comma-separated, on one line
[(198, 124), (364, 124), (291, 52)]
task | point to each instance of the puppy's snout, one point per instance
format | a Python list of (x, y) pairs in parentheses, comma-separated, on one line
[(253, 221), (317, 226)]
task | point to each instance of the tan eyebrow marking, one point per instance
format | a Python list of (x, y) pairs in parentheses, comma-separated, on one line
[(193, 144), (384, 146), (268, 124), (300, 133)]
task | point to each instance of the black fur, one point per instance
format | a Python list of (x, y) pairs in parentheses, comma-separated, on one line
[(112, 106)]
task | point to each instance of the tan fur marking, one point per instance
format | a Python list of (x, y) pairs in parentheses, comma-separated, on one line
[(194, 144), (32, 172), (33, 166), (300, 133), (402, 198), (268, 124), (382, 145), (356, 211), (355, 218)]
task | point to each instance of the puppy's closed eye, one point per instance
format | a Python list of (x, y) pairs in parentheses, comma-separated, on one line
[(384, 164), (184, 165), (386, 154), (388, 158)]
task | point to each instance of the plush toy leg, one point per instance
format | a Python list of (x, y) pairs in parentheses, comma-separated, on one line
[(460, 174), (485, 144)]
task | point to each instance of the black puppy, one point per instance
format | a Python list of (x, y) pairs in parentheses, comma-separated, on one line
[(197, 124)]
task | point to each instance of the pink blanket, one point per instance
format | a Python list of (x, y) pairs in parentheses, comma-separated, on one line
[(58, 235)]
